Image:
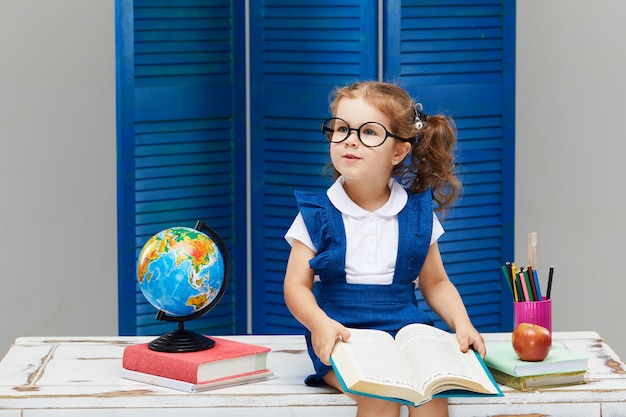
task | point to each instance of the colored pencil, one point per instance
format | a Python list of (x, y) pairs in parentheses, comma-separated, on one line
[(531, 282), (507, 278), (550, 274), (524, 288), (536, 279)]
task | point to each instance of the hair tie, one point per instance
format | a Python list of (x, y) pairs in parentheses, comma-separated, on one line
[(420, 117)]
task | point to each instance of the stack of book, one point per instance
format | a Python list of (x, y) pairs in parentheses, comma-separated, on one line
[(561, 367), (228, 363)]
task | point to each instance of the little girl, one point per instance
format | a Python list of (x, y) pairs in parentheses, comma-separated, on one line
[(359, 250)]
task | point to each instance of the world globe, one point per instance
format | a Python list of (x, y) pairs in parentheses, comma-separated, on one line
[(183, 272)]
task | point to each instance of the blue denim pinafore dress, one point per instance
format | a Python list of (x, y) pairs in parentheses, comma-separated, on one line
[(382, 307)]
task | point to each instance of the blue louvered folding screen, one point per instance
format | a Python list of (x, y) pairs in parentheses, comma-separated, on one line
[(181, 140)]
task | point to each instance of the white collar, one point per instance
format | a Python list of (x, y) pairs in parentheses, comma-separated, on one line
[(338, 197)]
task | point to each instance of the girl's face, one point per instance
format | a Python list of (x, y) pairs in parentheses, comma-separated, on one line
[(357, 162)]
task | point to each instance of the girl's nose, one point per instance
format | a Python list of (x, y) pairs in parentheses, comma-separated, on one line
[(353, 138)]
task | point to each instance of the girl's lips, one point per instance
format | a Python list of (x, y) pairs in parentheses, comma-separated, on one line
[(350, 156)]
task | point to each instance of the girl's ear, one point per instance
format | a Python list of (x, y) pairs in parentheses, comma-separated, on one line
[(402, 150)]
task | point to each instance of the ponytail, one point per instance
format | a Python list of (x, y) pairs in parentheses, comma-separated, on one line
[(432, 162)]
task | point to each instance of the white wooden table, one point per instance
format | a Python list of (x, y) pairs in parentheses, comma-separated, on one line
[(70, 376)]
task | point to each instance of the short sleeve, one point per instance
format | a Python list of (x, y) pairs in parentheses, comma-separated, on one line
[(298, 231), (437, 229)]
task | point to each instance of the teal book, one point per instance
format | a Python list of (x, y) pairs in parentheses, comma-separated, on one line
[(420, 364), (502, 357)]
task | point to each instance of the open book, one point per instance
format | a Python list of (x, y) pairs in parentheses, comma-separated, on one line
[(421, 363)]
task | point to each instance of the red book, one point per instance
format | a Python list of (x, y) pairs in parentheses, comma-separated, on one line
[(226, 359)]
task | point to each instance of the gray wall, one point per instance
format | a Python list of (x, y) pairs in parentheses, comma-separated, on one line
[(58, 273), (57, 163), (570, 145)]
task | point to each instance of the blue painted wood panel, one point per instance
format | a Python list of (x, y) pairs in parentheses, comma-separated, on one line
[(459, 60), (177, 103), (299, 52)]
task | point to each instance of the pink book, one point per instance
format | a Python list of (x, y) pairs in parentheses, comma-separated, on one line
[(226, 359)]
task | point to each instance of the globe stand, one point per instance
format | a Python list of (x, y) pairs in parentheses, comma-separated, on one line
[(181, 340)]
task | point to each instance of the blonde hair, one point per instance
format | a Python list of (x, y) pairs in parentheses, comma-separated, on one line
[(431, 160)]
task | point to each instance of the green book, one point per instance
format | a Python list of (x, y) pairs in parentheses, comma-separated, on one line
[(534, 382), (502, 357)]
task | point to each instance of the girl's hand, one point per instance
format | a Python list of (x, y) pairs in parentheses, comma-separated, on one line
[(469, 337), (325, 335)]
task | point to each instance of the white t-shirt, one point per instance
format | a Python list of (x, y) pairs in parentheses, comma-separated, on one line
[(371, 237)]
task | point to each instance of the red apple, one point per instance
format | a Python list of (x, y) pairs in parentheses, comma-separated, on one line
[(531, 342)]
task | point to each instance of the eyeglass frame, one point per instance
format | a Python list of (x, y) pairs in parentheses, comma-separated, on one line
[(325, 129)]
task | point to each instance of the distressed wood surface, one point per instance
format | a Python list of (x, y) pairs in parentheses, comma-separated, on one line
[(71, 376)]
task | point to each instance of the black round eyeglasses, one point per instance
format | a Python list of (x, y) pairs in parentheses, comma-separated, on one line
[(371, 134)]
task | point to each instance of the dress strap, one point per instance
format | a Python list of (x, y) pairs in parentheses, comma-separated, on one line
[(415, 224), (325, 226)]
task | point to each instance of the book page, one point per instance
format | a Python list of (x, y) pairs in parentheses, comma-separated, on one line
[(379, 359), (434, 354)]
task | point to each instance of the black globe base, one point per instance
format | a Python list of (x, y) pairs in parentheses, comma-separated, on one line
[(181, 340)]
